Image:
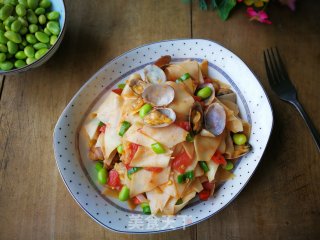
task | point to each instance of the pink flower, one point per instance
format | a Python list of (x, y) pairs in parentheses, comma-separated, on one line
[(260, 16)]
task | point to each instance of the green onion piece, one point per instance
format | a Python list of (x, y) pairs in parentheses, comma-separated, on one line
[(121, 85), (124, 194), (185, 76), (179, 201), (228, 166), (132, 171), (124, 127), (181, 178), (189, 174), (204, 166), (189, 138), (120, 149), (158, 148), (101, 124), (98, 166), (146, 210), (144, 110)]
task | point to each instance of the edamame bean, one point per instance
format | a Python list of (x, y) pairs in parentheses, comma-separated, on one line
[(54, 15), (53, 27), (30, 60), (2, 57), (23, 21), (23, 2), (42, 37), (32, 18), (45, 3), (9, 21), (102, 176), (33, 4), (53, 39), (12, 47), (42, 19), (19, 63), (29, 51), (20, 55), (40, 11), (5, 11), (12, 36), (40, 53), (21, 10), (23, 30), (204, 92), (3, 39), (6, 65), (16, 26), (31, 38), (40, 45), (3, 48), (239, 138), (33, 28), (124, 193), (46, 31), (11, 2)]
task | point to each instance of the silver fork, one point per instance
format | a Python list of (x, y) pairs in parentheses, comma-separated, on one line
[(280, 83)]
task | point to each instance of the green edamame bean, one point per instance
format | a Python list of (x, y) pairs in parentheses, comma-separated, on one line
[(204, 92), (45, 3), (33, 28), (53, 27), (42, 19), (21, 10), (33, 4), (23, 21), (11, 2), (3, 39), (9, 21), (6, 65), (32, 18), (3, 48), (53, 39), (42, 37), (23, 30), (40, 53), (239, 138), (13, 36), (2, 27), (40, 45), (6, 11), (20, 55), (16, 26), (30, 60), (12, 47), (102, 176), (29, 51), (19, 63), (23, 2), (40, 11), (31, 38), (54, 15), (46, 31), (124, 194), (2, 57)]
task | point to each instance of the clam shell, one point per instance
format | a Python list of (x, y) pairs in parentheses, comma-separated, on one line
[(196, 107), (163, 62), (240, 151), (137, 85), (158, 94), (166, 111), (215, 119), (154, 74)]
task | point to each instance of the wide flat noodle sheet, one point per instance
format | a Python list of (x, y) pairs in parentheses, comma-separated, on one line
[(157, 200), (169, 188), (127, 113), (168, 136), (205, 147), (213, 167), (91, 127), (185, 201), (146, 157), (169, 208), (135, 135), (192, 67)]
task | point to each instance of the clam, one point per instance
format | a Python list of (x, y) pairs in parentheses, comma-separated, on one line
[(210, 99), (215, 119), (226, 94), (239, 151), (137, 85), (160, 117), (137, 104), (154, 74), (196, 118), (163, 62), (158, 94)]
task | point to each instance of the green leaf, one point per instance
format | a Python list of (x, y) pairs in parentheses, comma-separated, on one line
[(224, 7)]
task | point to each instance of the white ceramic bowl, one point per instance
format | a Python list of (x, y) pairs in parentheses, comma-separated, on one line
[(78, 173), (59, 6)]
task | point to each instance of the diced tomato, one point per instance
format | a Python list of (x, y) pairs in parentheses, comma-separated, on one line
[(181, 162), (154, 169), (114, 179), (133, 148), (117, 91), (184, 124), (218, 158), (136, 201), (204, 195), (207, 80), (197, 99), (208, 185), (102, 129)]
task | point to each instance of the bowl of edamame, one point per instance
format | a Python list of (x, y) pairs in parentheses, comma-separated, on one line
[(30, 33)]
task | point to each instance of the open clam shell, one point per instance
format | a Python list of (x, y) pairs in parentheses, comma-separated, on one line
[(215, 119), (154, 74), (158, 94), (226, 94), (137, 85), (163, 61), (210, 99), (160, 117), (196, 118), (239, 151)]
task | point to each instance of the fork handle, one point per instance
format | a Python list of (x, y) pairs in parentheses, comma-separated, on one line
[(309, 123)]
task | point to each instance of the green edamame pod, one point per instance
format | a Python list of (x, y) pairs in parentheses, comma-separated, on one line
[(40, 53), (3, 48), (40, 11), (54, 15), (31, 38), (33, 28), (19, 63), (32, 18), (53, 27), (45, 3), (53, 39), (23, 21), (2, 57), (12, 47), (13, 36), (23, 30), (16, 26), (6, 11), (42, 19), (40, 45), (29, 51), (33, 4), (6, 65), (30, 60), (20, 55), (42, 37), (21, 10)]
